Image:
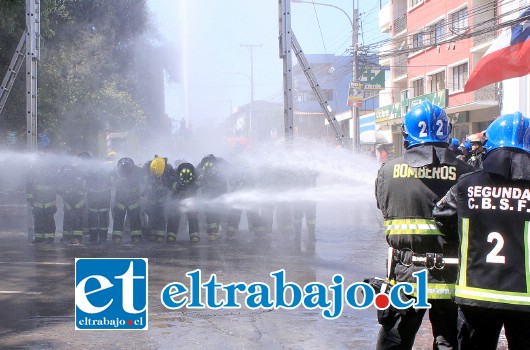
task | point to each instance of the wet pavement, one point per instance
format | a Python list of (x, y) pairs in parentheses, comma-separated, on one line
[(37, 290)]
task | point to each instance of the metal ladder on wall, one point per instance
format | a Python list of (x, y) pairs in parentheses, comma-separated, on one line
[(311, 78), (12, 71)]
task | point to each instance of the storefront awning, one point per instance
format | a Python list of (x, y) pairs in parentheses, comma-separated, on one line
[(372, 137)]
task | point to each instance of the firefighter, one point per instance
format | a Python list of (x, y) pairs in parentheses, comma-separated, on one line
[(243, 178), (41, 191), (305, 208), (128, 183), (275, 179), (156, 190), (454, 146), (110, 158), (381, 154), (84, 164), (477, 151), (212, 183), (407, 188), (184, 190), (72, 189), (489, 208), (99, 192), (465, 151)]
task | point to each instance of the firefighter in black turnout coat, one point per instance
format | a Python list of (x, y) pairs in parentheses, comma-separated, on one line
[(157, 181), (99, 193), (407, 189), (41, 191), (243, 177), (213, 183), (183, 192), (492, 209), (129, 181), (73, 191)]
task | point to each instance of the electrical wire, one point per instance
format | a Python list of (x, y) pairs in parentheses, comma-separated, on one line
[(319, 27), (490, 25)]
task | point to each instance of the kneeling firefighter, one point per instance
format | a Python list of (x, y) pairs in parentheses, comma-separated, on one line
[(407, 189)]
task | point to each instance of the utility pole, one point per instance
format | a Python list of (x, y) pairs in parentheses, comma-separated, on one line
[(29, 49), (32, 58), (251, 47), (285, 54), (355, 75), (354, 38)]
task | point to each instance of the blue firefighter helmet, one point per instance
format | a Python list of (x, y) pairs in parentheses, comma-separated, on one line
[(508, 131), (455, 143), (465, 146), (425, 123)]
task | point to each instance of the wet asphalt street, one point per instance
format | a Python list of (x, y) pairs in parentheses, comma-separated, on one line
[(37, 290)]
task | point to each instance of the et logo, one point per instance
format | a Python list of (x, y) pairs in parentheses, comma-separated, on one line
[(111, 294)]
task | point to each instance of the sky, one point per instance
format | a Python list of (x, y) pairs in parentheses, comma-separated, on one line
[(214, 39)]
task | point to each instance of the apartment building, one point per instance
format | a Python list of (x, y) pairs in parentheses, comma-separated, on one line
[(433, 48)]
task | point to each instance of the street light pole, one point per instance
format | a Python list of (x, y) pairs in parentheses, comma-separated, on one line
[(322, 4), (251, 47), (355, 72), (251, 106)]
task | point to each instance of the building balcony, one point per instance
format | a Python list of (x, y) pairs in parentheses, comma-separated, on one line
[(400, 24), (487, 93), (400, 66), (482, 98), (385, 23), (484, 38)]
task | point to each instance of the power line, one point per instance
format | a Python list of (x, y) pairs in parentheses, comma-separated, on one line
[(480, 28)]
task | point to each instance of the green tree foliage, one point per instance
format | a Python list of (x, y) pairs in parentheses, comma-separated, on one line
[(88, 79)]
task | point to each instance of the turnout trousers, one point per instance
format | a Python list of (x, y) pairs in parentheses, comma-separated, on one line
[(133, 215), (73, 222), (176, 210), (399, 331), (479, 328), (44, 222)]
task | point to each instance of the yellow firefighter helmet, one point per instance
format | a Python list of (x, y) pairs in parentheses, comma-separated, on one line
[(158, 165)]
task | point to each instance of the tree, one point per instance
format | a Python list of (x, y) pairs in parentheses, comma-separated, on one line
[(88, 79)]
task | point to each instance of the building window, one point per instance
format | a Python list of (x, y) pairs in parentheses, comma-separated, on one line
[(460, 75), (305, 96), (438, 32), (404, 94), (328, 93), (300, 96), (370, 94), (458, 21), (417, 40), (413, 3), (437, 81), (417, 87)]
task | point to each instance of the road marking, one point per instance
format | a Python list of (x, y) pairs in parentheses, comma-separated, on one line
[(35, 263), (19, 292)]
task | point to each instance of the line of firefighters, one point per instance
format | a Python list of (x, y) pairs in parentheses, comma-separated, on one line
[(152, 199)]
